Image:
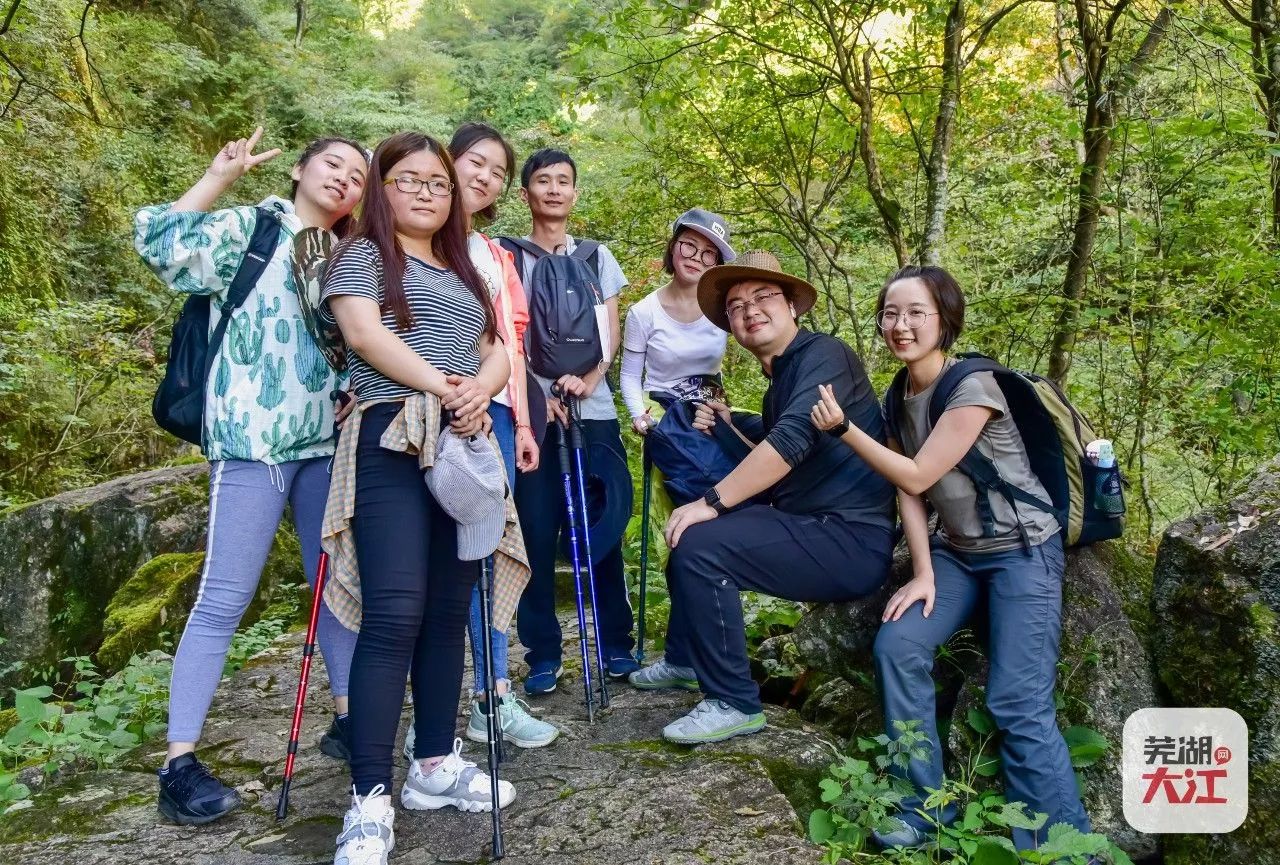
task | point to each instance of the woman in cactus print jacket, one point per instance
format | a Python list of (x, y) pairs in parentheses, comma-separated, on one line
[(269, 429)]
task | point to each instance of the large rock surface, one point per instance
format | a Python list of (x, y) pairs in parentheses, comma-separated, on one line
[(1216, 640), (1105, 669), (608, 793), (118, 562)]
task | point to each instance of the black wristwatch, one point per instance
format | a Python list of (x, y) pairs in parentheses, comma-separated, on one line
[(838, 431), (712, 497)]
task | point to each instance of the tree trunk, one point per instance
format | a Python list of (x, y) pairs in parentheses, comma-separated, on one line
[(1265, 27), (939, 168), (300, 22), (1103, 92), (889, 209)]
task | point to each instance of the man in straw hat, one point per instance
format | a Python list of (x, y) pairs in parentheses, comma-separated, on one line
[(827, 532)]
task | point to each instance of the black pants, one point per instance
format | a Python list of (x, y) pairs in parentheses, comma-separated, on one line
[(415, 593), (540, 501), (799, 557)]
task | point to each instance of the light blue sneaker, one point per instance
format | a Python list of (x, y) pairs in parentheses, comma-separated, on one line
[(712, 721), (518, 726)]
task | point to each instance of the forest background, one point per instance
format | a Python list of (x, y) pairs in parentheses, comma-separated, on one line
[(1102, 175)]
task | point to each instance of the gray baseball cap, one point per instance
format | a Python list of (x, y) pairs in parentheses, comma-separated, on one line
[(711, 226), (470, 484)]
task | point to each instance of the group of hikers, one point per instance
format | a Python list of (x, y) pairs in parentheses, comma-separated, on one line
[(429, 317)]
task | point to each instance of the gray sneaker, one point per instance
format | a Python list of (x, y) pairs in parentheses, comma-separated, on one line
[(712, 721), (662, 674), (518, 726), (455, 782)]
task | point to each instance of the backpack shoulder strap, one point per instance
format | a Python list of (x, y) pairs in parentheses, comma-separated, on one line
[(519, 247), (588, 251), (262, 245), (958, 372), (893, 404)]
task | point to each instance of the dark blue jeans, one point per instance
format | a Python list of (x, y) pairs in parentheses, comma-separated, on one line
[(415, 594), (1024, 606), (800, 557), (540, 502)]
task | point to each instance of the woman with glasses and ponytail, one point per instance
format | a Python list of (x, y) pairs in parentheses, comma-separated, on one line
[(420, 328), (268, 428)]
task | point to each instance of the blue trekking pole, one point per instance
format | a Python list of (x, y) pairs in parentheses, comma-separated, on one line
[(576, 443), (566, 472)]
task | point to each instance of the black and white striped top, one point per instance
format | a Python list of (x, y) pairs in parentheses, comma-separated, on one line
[(448, 321)]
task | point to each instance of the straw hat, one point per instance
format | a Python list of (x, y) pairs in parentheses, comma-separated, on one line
[(716, 282)]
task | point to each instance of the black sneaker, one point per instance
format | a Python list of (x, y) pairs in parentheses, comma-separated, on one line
[(191, 796), (336, 742)]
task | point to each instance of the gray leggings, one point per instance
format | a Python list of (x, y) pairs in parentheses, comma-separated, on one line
[(246, 502)]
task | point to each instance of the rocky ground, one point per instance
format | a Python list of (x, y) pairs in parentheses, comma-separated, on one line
[(609, 792)]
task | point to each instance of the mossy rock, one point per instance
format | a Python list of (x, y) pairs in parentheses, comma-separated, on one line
[(1215, 601), (154, 599)]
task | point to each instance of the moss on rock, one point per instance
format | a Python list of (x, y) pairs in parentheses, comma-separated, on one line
[(154, 599)]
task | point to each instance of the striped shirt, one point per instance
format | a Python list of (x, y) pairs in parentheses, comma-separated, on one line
[(448, 320)]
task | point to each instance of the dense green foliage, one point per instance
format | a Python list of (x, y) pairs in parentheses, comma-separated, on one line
[(845, 137)]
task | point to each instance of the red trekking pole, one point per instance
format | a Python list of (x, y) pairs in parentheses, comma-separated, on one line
[(308, 650)]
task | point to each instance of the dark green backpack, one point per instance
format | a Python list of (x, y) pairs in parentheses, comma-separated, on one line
[(1086, 498)]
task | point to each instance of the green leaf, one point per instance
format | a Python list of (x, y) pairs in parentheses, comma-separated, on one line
[(16, 792), (980, 721), (987, 765), (831, 789), (820, 826), (30, 702), (1086, 745), (989, 853)]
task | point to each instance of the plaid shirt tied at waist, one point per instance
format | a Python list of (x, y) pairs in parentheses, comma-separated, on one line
[(413, 430)]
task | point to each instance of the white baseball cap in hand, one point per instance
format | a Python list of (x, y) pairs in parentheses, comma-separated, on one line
[(469, 483)]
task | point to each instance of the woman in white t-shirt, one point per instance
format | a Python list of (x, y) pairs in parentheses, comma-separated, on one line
[(667, 339)]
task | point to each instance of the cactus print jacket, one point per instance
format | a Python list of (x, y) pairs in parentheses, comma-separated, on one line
[(271, 395)]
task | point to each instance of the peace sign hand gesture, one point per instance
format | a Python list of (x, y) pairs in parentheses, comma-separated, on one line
[(236, 158)]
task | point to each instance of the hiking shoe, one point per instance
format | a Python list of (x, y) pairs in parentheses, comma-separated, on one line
[(662, 674), (336, 742), (621, 666), (712, 721), (191, 796), (904, 835), (455, 782), (518, 726), (542, 678), (368, 830)]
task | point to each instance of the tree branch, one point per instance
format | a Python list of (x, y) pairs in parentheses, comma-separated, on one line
[(8, 18)]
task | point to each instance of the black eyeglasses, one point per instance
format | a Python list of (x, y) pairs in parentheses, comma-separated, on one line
[(436, 186), (691, 250)]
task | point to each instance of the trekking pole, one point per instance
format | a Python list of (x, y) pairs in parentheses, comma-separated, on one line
[(492, 723), (565, 477), (308, 651), (647, 462), (576, 444)]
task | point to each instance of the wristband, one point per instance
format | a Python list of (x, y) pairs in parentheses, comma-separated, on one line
[(712, 498), (838, 431)]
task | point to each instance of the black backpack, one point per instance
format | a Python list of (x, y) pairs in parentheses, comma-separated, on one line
[(563, 292), (1087, 499), (178, 405)]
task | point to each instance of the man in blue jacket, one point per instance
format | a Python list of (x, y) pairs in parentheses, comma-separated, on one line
[(827, 532)]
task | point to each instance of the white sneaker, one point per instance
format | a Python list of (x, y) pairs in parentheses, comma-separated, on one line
[(455, 782), (368, 834)]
